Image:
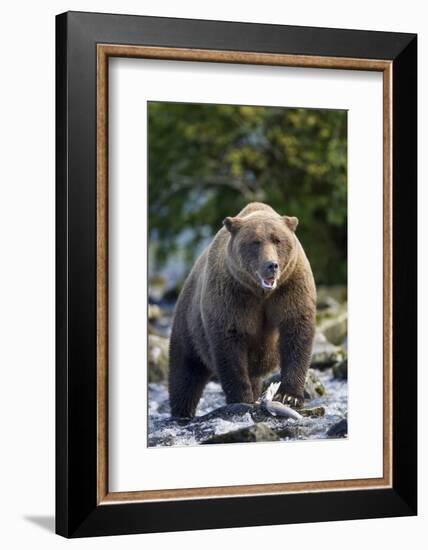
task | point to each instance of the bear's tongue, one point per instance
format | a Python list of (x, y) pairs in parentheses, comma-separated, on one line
[(270, 281), (267, 282)]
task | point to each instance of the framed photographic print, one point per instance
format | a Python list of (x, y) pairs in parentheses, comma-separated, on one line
[(236, 274)]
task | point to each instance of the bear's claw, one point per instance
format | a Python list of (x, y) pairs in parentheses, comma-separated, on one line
[(288, 399)]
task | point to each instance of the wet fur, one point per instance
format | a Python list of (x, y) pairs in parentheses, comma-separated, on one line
[(224, 323)]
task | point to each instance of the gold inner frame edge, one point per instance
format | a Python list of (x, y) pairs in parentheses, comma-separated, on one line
[(104, 51)]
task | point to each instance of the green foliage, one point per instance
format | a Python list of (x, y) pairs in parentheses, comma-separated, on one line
[(207, 162)]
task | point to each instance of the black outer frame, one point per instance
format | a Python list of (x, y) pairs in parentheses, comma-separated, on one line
[(77, 513)]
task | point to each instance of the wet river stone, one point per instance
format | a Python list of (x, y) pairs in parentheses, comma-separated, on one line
[(258, 432), (324, 353), (158, 358), (339, 430), (340, 370), (335, 329), (312, 411), (227, 412)]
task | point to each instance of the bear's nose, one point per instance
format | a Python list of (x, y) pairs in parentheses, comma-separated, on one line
[(272, 266)]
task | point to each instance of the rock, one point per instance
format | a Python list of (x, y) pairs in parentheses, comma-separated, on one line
[(328, 309), (337, 292), (161, 441), (327, 303), (312, 411), (158, 358), (227, 412), (154, 312), (152, 330), (340, 370), (339, 430), (171, 295), (157, 285), (160, 320), (313, 385), (258, 432), (163, 327), (335, 329), (325, 354), (287, 432), (259, 414)]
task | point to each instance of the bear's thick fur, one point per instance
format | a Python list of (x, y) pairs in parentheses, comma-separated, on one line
[(247, 306)]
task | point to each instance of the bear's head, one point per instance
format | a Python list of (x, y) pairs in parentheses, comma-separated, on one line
[(262, 246)]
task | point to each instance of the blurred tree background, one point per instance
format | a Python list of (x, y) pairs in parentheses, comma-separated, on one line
[(207, 162)]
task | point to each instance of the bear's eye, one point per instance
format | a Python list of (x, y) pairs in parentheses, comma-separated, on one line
[(275, 240)]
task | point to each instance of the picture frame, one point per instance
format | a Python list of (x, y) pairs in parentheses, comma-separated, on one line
[(84, 44)]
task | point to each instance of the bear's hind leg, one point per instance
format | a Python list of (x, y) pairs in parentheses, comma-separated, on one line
[(187, 379)]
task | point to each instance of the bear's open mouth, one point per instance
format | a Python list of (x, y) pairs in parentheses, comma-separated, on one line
[(269, 283)]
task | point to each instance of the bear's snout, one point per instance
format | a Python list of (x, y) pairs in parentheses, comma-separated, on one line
[(271, 267), (268, 274)]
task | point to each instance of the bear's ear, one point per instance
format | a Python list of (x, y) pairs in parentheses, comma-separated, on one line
[(291, 222), (232, 224)]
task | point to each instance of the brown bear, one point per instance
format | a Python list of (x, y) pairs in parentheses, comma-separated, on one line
[(247, 307)]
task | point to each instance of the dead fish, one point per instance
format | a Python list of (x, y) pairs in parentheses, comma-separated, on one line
[(279, 409), (270, 392), (276, 408)]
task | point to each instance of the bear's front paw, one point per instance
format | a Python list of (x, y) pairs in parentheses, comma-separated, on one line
[(289, 398)]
